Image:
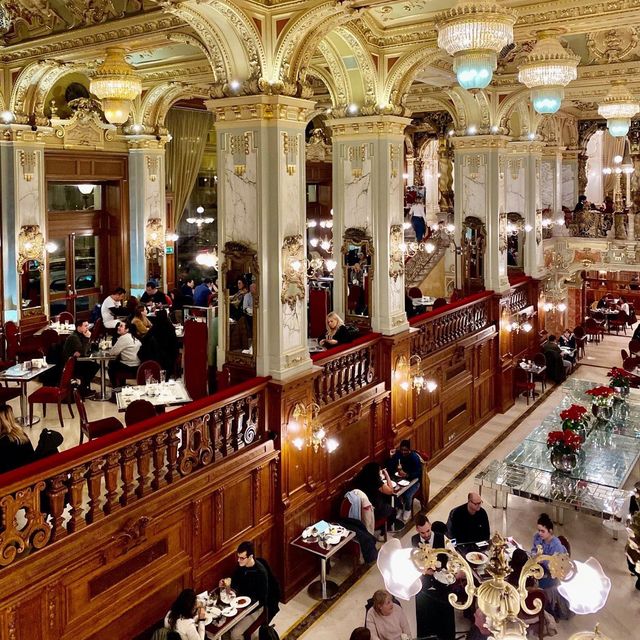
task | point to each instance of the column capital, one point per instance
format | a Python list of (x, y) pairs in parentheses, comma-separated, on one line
[(479, 143), (525, 147), (146, 142), (24, 133), (243, 109), (366, 126)]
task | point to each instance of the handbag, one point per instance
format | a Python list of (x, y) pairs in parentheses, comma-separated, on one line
[(48, 443), (268, 632)]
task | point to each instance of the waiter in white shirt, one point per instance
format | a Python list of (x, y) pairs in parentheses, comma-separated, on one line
[(114, 301), (418, 219)]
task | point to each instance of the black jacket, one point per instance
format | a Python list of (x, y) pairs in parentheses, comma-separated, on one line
[(342, 335)]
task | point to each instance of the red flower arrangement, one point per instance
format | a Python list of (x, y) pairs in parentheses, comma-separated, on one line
[(619, 377), (602, 396), (564, 442), (575, 417)]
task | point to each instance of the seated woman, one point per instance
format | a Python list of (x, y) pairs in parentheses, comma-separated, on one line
[(556, 604), (186, 617), (126, 351), (385, 619), (370, 481), (15, 447), (236, 300), (336, 332), (140, 320), (164, 341)]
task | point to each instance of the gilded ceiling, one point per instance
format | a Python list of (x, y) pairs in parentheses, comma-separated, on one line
[(378, 56)]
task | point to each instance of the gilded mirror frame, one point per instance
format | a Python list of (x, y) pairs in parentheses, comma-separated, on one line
[(473, 254)]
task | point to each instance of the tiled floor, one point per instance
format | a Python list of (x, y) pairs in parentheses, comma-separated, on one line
[(586, 534)]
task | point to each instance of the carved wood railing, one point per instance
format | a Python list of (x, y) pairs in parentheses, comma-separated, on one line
[(346, 369), (518, 297), (442, 327), (53, 498)]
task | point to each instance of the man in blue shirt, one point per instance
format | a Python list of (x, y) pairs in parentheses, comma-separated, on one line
[(202, 293), (406, 465)]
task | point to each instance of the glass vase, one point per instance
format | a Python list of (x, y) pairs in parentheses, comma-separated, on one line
[(563, 462)]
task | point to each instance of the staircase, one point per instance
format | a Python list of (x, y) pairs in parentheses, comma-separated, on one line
[(419, 266)]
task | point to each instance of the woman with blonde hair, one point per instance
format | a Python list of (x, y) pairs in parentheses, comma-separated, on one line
[(335, 333), (15, 447), (140, 320), (386, 619)]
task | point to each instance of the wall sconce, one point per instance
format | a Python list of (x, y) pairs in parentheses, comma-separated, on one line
[(521, 323), (172, 237), (208, 259), (294, 271), (305, 418), (30, 246), (154, 238), (418, 381), (550, 307)]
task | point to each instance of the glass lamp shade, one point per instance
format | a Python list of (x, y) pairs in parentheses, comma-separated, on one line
[(547, 99), (116, 111), (474, 70), (618, 108), (618, 127), (400, 574), (587, 591)]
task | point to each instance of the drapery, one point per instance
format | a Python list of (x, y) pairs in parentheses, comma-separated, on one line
[(611, 147), (189, 130)]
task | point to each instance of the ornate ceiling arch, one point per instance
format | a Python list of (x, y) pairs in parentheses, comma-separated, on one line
[(515, 100), (222, 73), (328, 80), (343, 95), (158, 100), (223, 26)]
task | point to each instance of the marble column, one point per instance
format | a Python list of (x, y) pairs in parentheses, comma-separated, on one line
[(367, 195), (146, 203), (480, 166), (551, 181), (23, 202), (522, 195), (569, 178), (262, 204)]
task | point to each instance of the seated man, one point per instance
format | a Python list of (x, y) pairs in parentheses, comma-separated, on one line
[(424, 534), (469, 522), (406, 464), (558, 367), (112, 308), (153, 294), (78, 344)]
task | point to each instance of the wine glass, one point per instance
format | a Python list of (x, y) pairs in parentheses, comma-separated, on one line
[(163, 375)]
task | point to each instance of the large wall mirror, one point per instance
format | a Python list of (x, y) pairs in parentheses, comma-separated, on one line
[(154, 266), (516, 237), (474, 242), (240, 286), (357, 252), (31, 287)]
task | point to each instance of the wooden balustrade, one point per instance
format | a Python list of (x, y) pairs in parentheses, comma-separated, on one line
[(442, 327), (56, 497), (346, 369)]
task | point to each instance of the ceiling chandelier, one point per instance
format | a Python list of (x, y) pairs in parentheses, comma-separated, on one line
[(547, 70), (116, 84), (618, 108), (200, 220), (474, 33)]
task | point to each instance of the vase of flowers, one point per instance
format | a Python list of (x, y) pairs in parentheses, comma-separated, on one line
[(620, 381), (564, 447), (602, 402), (575, 418)]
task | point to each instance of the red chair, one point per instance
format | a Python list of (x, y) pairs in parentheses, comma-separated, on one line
[(148, 369), (9, 393), (634, 347), (522, 384), (618, 322), (631, 363), (95, 428), (565, 543), (414, 292), (97, 331), (581, 341), (539, 619), (55, 395), (65, 316), (594, 331), (17, 347), (138, 411), (48, 338)]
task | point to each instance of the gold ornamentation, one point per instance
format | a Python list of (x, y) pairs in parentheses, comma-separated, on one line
[(356, 156), (152, 167), (290, 150), (293, 271), (30, 246), (612, 45), (239, 147), (394, 153), (396, 255), (154, 238), (28, 161)]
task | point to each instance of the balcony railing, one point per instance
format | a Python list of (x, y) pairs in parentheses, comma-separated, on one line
[(48, 500)]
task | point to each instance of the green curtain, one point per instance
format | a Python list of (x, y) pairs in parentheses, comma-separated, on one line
[(189, 130)]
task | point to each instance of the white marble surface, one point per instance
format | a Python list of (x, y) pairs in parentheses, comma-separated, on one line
[(240, 201), (547, 184), (357, 195), (515, 186), (291, 195), (29, 188), (474, 183), (569, 184), (292, 317)]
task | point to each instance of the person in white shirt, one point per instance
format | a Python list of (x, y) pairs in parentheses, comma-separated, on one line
[(126, 347), (624, 306), (186, 617), (418, 219), (114, 301)]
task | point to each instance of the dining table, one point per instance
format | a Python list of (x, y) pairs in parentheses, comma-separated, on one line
[(160, 394), (532, 370), (102, 357), (23, 373), (401, 485), (219, 625)]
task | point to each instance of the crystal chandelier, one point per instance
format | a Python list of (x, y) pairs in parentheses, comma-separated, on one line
[(618, 108), (474, 33), (116, 84), (547, 70)]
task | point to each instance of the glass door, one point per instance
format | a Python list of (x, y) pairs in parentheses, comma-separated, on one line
[(74, 280)]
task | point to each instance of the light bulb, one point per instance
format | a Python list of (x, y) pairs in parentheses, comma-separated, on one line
[(617, 159), (618, 127), (526, 327), (429, 247), (323, 224), (298, 443), (6, 117), (562, 307), (528, 227), (325, 245), (406, 225), (50, 247), (431, 385), (200, 210), (235, 85), (312, 223), (353, 108), (404, 385), (330, 265), (86, 189), (321, 434), (314, 242), (450, 228), (472, 130), (332, 445), (296, 265), (403, 247)]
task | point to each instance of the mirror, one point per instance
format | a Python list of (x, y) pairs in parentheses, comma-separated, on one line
[(154, 266), (357, 252), (240, 288), (31, 287), (516, 237), (474, 237)]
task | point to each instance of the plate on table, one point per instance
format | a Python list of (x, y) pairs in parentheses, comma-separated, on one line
[(333, 539), (229, 612), (242, 602), (444, 578), (227, 596), (477, 557), (213, 611), (208, 619), (404, 483)]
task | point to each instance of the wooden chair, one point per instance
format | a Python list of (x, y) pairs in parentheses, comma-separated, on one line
[(19, 348), (95, 428), (565, 543), (533, 595), (634, 347), (148, 369), (619, 322), (594, 331), (631, 363), (98, 330), (581, 341), (540, 360), (138, 411), (601, 320), (522, 384), (9, 393), (48, 338), (55, 395), (65, 316)]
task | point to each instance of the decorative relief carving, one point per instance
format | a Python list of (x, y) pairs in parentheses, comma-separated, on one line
[(85, 128), (502, 232), (612, 45), (293, 271), (317, 149), (290, 150), (396, 255), (515, 164), (153, 163), (394, 160), (473, 163), (240, 147), (30, 246), (28, 162), (133, 533)]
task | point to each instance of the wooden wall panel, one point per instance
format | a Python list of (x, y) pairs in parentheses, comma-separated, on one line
[(236, 507)]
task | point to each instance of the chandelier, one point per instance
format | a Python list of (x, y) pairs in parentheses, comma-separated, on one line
[(116, 84), (474, 33), (305, 418), (618, 108), (547, 70), (200, 220), (208, 259)]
